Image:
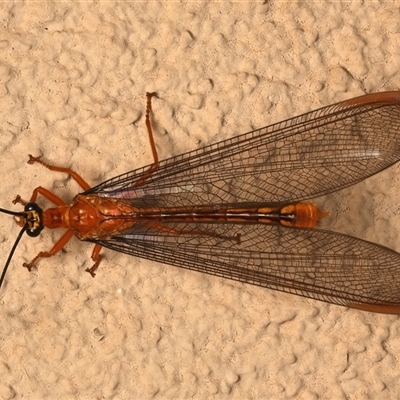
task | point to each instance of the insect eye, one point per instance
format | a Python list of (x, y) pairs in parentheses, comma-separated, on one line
[(34, 219), (32, 207), (34, 232)]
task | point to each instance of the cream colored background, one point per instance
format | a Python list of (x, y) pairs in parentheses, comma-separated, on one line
[(73, 79)]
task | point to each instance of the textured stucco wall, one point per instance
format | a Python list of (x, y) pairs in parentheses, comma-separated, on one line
[(72, 85)]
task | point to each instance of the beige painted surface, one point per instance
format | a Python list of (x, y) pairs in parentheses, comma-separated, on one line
[(73, 79)]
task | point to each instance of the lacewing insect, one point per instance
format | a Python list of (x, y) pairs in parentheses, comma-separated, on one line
[(239, 209)]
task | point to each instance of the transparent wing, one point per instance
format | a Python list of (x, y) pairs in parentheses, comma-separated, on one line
[(304, 157), (314, 154), (313, 263)]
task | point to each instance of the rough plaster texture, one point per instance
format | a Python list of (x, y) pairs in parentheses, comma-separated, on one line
[(72, 83)]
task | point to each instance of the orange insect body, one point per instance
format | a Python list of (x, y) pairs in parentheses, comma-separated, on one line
[(228, 209), (306, 215), (95, 217), (91, 216)]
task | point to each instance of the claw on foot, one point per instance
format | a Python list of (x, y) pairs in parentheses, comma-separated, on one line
[(28, 266), (18, 200), (33, 159), (91, 272)]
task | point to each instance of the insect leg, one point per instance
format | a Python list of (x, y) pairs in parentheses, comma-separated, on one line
[(81, 182), (154, 165), (45, 193), (56, 248), (96, 257), (150, 130)]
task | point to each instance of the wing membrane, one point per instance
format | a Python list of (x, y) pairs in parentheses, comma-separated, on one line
[(313, 263), (304, 157)]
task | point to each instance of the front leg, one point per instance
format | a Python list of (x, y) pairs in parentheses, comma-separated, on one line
[(56, 248), (79, 180), (58, 201)]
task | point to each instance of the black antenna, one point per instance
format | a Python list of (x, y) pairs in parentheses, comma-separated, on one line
[(12, 253), (17, 214)]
